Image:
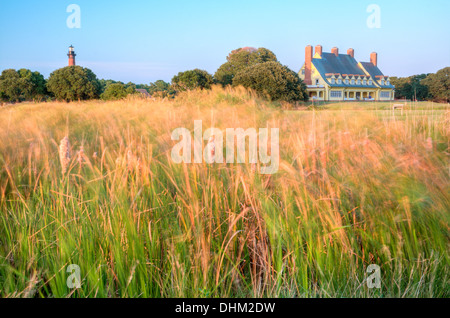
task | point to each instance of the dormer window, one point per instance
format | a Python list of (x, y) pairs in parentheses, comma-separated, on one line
[(382, 82), (346, 81), (353, 82), (358, 82), (333, 81), (370, 82), (364, 82), (339, 81), (387, 82)]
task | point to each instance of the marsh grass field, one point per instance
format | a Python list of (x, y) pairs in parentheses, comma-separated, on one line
[(358, 184)]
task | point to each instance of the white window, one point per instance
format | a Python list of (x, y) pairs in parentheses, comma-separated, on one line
[(385, 94), (353, 82), (382, 82), (364, 82), (358, 82), (303, 71), (370, 82), (333, 81), (346, 81), (336, 94), (388, 83), (339, 81)]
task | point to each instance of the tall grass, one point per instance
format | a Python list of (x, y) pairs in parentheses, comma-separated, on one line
[(354, 188)]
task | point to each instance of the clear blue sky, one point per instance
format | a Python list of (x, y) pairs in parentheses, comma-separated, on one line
[(143, 41)]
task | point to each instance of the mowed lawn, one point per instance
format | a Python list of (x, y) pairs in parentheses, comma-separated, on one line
[(358, 184)]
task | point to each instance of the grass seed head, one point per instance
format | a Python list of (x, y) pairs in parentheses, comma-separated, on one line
[(64, 154), (80, 157)]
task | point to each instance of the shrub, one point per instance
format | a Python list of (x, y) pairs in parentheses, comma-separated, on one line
[(21, 85), (439, 85), (240, 59), (114, 92), (161, 89), (193, 79), (73, 83), (273, 80)]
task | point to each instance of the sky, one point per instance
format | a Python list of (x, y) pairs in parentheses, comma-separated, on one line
[(144, 41)]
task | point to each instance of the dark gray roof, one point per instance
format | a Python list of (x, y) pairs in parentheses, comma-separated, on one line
[(375, 72), (343, 64), (371, 69)]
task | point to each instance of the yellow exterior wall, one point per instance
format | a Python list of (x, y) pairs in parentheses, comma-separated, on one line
[(317, 56), (324, 86)]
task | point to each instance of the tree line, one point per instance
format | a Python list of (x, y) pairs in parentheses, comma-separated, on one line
[(257, 69), (432, 86)]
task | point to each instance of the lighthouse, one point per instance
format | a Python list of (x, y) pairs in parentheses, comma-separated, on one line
[(71, 56)]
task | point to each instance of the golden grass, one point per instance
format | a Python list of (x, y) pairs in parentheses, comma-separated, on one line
[(354, 188)]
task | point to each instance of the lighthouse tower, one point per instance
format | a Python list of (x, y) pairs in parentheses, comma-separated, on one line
[(71, 56)]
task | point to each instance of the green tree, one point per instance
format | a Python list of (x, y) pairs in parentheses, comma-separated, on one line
[(130, 88), (114, 91), (238, 60), (273, 80), (36, 89), (158, 86), (11, 85), (143, 86), (3, 96), (192, 79), (73, 83), (21, 85), (402, 87), (411, 87), (161, 89), (104, 83), (439, 85)]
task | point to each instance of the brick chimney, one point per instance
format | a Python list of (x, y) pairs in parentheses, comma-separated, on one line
[(308, 59), (351, 52), (374, 58), (335, 51), (318, 50)]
